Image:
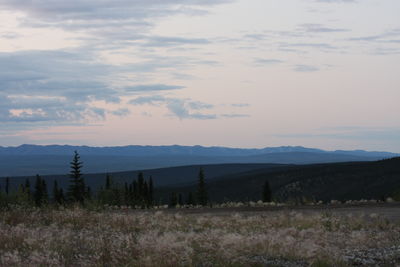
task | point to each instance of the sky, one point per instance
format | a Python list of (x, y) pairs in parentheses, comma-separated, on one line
[(237, 73)]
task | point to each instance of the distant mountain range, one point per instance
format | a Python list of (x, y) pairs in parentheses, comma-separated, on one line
[(173, 150), (26, 160)]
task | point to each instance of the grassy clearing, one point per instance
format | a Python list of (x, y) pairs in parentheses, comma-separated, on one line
[(79, 237)]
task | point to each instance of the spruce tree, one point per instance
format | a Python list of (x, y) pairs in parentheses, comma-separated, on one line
[(38, 194), (266, 195), (77, 188), (145, 196), (108, 182), (28, 188), (61, 196), (202, 197), (180, 199), (190, 199), (7, 188), (88, 193), (45, 194), (173, 200), (56, 193), (151, 192)]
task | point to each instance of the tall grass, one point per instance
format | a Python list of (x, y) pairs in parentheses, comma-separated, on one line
[(80, 237)]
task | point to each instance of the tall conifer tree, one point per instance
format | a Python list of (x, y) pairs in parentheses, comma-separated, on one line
[(202, 197), (77, 188), (38, 194), (266, 195), (7, 188)]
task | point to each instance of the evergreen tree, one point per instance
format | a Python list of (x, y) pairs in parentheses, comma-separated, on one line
[(151, 192), (202, 197), (77, 188), (180, 199), (56, 193), (190, 199), (266, 195), (135, 192), (45, 193), (126, 191), (88, 192), (7, 187), (38, 194), (173, 200), (108, 182), (27, 188), (145, 196), (61, 196)]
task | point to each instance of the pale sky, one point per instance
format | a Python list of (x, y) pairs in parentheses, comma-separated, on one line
[(240, 73)]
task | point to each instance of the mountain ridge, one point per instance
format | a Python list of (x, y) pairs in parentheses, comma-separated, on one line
[(139, 150)]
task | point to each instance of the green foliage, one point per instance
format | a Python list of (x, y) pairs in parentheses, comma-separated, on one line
[(139, 193)]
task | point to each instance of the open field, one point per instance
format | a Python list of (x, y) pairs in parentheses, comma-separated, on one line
[(316, 236)]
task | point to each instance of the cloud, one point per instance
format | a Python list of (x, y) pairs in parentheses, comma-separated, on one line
[(58, 87), (162, 41), (199, 105), (149, 100), (106, 18), (152, 87), (181, 108), (267, 61), (240, 105), (235, 115), (322, 46), (122, 112), (43, 109), (61, 86), (9, 35), (389, 36), (185, 108), (318, 28), (305, 68), (256, 36)]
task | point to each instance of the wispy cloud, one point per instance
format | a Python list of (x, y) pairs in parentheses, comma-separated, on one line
[(181, 108), (267, 61), (305, 68), (152, 87), (319, 28)]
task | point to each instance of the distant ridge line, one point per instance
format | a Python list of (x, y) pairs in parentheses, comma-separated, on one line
[(148, 150)]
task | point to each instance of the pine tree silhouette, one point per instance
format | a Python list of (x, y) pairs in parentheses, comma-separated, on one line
[(202, 197), (266, 195), (38, 194), (77, 188)]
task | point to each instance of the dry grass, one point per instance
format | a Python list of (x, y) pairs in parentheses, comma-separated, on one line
[(78, 237)]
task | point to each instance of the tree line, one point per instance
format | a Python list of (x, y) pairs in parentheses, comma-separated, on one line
[(139, 193)]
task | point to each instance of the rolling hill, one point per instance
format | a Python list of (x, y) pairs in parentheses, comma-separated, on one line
[(340, 181), (162, 177)]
